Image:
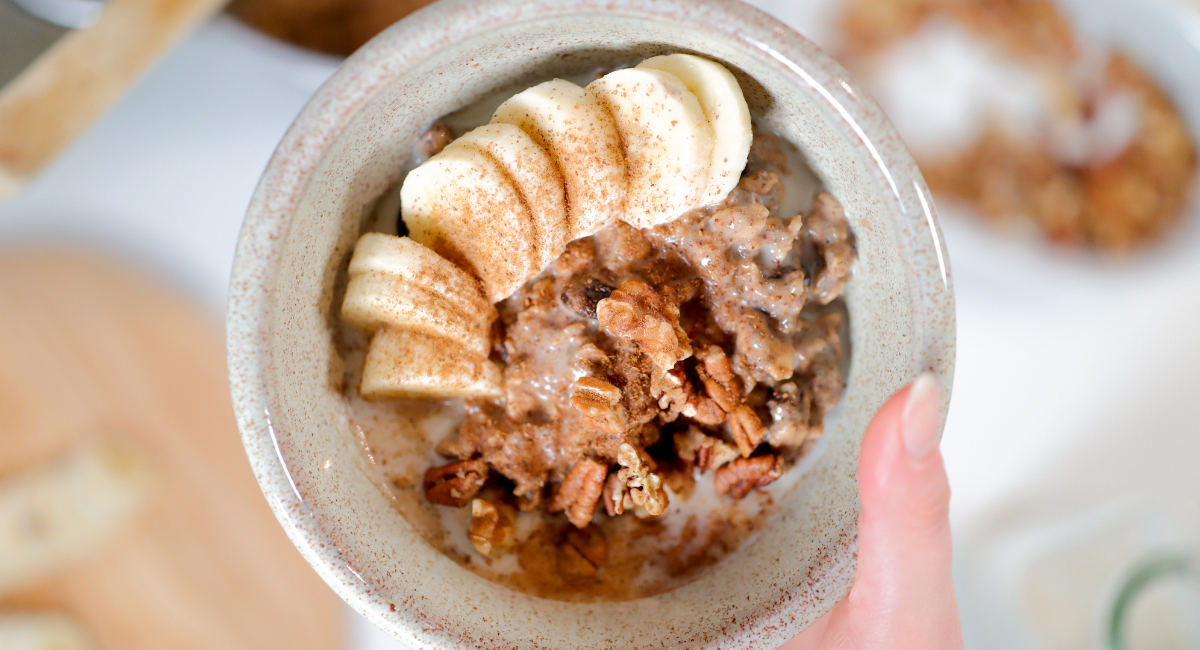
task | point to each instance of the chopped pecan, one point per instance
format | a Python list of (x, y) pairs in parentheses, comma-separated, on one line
[(680, 397), (716, 374), (582, 295), (636, 312), (455, 484), (747, 429), (703, 451), (599, 402), (615, 495), (580, 492), (741, 476), (707, 412), (645, 487), (491, 527), (434, 139)]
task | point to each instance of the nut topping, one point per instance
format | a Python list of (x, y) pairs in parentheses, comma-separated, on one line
[(455, 484), (491, 527), (636, 312), (703, 452), (744, 474), (599, 402), (645, 487), (580, 492), (747, 429)]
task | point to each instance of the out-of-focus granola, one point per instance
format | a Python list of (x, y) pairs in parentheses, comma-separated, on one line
[(1118, 202)]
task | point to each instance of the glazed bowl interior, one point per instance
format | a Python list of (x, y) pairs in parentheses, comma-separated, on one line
[(351, 144)]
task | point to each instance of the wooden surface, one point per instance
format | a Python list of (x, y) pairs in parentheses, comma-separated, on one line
[(73, 83), (89, 350)]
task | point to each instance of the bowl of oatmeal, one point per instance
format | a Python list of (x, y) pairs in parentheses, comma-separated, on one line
[(558, 324)]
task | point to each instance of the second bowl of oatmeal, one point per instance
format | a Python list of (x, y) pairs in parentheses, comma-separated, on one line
[(523, 360)]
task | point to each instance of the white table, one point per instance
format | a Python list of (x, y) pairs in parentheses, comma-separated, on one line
[(1071, 392)]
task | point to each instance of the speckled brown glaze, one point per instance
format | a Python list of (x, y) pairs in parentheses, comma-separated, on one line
[(352, 142)]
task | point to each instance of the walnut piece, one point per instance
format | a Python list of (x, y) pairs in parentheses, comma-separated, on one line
[(455, 484), (744, 474), (580, 492), (636, 312), (599, 402), (491, 527), (704, 452), (645, 487)]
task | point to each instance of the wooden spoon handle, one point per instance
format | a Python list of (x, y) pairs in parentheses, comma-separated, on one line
[(78, 79)]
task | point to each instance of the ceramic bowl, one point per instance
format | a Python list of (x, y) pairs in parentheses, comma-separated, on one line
[(351, 143)]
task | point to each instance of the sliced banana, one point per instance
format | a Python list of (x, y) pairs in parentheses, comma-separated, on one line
[(725, 108), (57, 514), (536, 178), (581, 137), (463, 205), (396, 281), (412, 262), (404, 363), (667, 140), (29, 631)]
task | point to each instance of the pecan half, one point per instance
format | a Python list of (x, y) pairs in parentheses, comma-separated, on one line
[(455, 484), (645, 487), (599, 402), (580, 492), (491, 527), (744, 474), (716, 374), (747, 429)]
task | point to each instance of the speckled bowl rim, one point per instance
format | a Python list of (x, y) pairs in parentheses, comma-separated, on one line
[(325, 116)]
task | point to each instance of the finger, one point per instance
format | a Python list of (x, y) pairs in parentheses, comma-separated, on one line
[(904, 583)]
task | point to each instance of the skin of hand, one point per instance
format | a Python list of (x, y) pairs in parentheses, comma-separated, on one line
[(903, 595)]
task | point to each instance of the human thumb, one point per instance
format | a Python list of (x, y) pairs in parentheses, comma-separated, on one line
[(904, 529)]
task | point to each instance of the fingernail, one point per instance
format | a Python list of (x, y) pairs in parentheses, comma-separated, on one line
[(919, 421)]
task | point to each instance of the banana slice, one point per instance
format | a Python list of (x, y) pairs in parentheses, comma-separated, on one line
[(725, 107), (408, 364), (396, 281), (668, 142), (26, 631), (462, 204), (57, 514), (579, 134), (536, 178)]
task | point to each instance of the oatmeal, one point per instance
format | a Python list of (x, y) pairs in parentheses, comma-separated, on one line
[(663, 347), (1031, 121), (642, 361)]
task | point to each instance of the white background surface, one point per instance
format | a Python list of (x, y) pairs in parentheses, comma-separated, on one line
[(1076, 381)]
